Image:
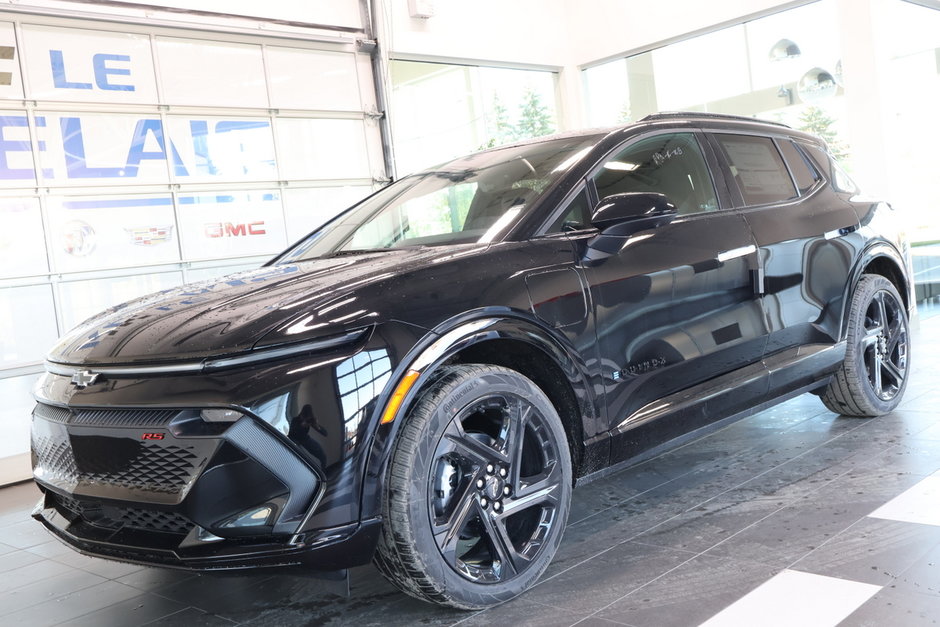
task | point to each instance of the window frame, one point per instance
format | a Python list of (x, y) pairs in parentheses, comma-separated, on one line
[(820, 179), (696, 135), (735, 193), (733, 183), (719, 185)]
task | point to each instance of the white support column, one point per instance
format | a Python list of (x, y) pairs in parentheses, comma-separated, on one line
[(864, 70), (570, 98)]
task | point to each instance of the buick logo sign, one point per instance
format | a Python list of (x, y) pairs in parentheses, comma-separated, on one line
[(84, 378), (78, 238)]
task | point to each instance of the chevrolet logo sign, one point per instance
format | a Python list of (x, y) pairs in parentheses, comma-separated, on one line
[(84, 378)]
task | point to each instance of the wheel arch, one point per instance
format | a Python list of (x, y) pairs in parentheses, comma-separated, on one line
[(509, 339), (882, 259)]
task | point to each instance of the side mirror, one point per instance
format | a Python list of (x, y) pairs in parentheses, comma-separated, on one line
[(624, 214)]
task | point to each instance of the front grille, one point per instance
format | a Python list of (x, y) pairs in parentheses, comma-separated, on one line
[(166, 469), (113, 517), (106, 417)]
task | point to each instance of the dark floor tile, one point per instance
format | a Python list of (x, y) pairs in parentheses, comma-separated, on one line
[(31, 573), (191, 617), (137, 610), (15, 559), (46, 590), (108, 569), (608, 576), (785, 536), (926, 400), (51, 549), (896, 607), (872, 551), (155, 579), (24, 534), (713, 521), (73, 605), (303, 601), (621, 523), (596, 621), (930, 433), (689, 594), (523, 611), (923, 576)]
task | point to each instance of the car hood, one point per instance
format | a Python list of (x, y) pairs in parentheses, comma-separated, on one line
[(232, 314)]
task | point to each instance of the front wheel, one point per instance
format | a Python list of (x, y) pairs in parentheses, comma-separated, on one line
[(874, 373), (478, 490)]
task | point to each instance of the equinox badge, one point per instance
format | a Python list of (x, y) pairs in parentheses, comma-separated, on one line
[(84, 378)]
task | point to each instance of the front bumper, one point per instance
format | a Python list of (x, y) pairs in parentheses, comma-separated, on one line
[(329, 549), (163, 487)]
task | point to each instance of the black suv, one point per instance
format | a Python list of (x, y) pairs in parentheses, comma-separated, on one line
[(423, 380)]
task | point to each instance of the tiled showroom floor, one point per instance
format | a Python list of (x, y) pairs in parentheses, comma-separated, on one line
[(794, 516)]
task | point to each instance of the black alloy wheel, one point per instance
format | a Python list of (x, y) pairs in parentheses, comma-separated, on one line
[(489, 456), (874, 373)]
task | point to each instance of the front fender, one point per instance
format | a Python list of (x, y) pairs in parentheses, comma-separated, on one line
[(439, 346)]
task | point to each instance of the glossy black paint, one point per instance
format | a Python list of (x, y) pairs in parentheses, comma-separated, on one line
[(638, 337)]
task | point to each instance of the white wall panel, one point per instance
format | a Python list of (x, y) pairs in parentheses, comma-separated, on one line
[(88, 66), (312, 79), (306, 209), (328, 149), (97, 232), (22, 244), (216, 226), (206, 73), (11, 84)]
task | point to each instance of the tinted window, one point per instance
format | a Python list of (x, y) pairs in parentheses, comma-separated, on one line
[(577, 215), (473, 199), (668, 164), (803, 172), (840, 180), (758, 169)]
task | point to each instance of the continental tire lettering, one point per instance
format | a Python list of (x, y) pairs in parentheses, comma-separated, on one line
[(451, 406)]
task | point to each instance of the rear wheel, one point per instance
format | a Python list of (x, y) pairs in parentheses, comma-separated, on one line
[(874, 373), (478, 490)]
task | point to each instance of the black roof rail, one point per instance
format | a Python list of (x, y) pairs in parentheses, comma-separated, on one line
[(668, 115)]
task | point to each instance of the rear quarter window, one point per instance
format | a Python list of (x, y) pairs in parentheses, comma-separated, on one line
[(803, 171), (758, 169), (841, 181)]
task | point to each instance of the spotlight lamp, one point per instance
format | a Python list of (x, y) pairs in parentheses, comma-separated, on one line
[(784, 49)]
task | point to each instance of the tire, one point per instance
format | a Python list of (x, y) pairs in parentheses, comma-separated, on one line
[(874, 373), (477, 490)]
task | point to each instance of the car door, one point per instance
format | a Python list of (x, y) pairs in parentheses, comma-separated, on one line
[(674, 305), (806, 234)]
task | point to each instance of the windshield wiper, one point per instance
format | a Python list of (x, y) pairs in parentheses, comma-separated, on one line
[(358, 251)]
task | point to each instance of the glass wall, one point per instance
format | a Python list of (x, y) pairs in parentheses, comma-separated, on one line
[(122, 173), (135, 161), (787, 67), (451, 110)]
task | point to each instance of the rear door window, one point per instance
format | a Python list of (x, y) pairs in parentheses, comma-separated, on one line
[(758, 169)]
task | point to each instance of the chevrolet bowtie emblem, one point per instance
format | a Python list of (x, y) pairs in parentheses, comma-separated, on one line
[(84, 378)]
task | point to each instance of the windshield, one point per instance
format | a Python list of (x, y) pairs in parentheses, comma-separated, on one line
[(473, 199)]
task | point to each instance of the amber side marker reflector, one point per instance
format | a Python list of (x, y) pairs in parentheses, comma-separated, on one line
[(398, 395)]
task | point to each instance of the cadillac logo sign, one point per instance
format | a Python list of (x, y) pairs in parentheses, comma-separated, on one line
[(150, 235), (84, 378)]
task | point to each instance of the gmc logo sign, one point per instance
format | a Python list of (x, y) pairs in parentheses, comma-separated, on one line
[(152, 436), (229, 229)]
